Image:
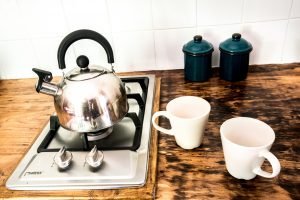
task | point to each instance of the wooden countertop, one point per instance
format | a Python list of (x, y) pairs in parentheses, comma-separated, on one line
[(271, 93)]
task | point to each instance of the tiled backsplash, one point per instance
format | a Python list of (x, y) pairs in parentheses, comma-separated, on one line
[(144, 34)]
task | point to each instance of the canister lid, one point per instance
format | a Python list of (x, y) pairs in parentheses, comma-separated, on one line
[(198, 46), (236, 45)]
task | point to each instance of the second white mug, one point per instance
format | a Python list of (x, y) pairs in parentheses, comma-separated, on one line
[(188, 116), (246, 144)]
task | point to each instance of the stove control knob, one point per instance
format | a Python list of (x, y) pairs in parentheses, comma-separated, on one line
[(63, 158), (94, 158)]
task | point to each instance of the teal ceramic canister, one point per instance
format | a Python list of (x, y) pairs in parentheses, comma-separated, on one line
[(234, 58), (197, 59)]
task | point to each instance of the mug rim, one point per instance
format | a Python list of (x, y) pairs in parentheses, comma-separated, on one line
[(193, 97), (243, 146)]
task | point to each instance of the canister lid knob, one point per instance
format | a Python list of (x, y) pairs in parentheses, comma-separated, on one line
[(236, 36), (197, 38)]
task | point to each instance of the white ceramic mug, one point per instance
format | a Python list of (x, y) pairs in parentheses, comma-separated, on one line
[(188, 116), (246, 144)]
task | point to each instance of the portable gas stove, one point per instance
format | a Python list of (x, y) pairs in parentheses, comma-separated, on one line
[(117, 157)]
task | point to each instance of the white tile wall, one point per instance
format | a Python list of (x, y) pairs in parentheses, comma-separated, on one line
[(43, 18), (134, 51), (291, 50), (267, 39), (45, 50), (262, 10), (90, 14), (174, 13), (12, 24), (295, 12), (144, 34), (168, 47), (130, 15), (17, 59), (215, 12)]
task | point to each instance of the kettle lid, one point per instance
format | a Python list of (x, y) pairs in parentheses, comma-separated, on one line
[(84, 72), (198, 46), (236, 45)]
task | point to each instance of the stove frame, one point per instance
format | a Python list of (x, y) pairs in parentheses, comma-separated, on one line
[(29, 176)]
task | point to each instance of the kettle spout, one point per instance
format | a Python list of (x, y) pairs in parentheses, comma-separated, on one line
[(43, 85)]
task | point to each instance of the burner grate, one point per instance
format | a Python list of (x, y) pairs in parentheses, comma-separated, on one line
[(87, 145)]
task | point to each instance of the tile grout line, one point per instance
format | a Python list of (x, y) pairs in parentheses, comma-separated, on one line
[(243, 14), (286, 32), (196, 15), (153, 34)]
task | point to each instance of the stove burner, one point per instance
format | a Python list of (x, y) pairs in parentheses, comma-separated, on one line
[(100, 134)]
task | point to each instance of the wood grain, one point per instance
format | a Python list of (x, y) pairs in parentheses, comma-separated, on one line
[(270, 93), (23, 114)]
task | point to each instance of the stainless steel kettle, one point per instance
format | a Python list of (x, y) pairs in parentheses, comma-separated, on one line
[(88, 98)]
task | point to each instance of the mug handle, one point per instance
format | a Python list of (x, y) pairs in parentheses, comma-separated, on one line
[(156, 115), (274, 163)]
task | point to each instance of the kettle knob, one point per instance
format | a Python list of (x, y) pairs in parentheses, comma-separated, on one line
[(82, 61)]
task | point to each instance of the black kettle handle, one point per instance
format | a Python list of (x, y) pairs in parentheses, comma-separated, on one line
[(78, 35)]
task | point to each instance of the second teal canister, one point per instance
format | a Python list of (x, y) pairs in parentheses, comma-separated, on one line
[(234, 58), (197, 59)]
